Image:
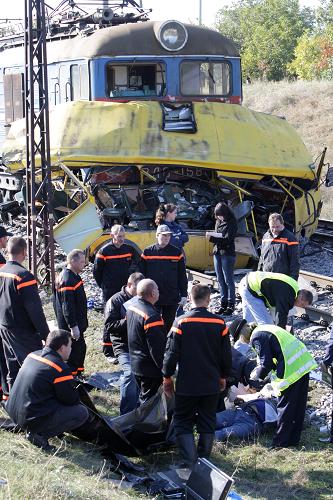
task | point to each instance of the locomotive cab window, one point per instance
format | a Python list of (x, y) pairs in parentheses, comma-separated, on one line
[(140, 80), (209, 78)]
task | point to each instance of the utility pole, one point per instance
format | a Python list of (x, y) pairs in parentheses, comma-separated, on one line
[(38, 177), (200, 12)]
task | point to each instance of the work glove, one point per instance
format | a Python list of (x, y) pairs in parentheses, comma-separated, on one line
[(75, 332), (168, 387), (255, 374), (182, 301)]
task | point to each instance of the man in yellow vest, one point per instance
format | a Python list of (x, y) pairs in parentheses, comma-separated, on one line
[(290, 362), (260, 290)]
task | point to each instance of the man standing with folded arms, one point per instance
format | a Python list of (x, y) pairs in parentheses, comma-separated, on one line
[(279, 249), (114, 262), (71, 308), (164, 263)]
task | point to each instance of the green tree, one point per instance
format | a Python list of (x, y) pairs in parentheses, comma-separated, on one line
[(307, 53), (267, 32), (314, 56)]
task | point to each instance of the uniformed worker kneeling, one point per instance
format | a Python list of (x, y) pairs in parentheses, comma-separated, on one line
[(43, 400)]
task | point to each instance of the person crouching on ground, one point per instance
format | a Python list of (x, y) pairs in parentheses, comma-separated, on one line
[(290, 362), (43, 400), (199, 343)]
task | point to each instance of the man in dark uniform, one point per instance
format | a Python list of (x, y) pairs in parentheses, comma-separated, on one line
[(279, 249), (327, 366), (146, 339), (199, 343), (22, 322), (4, 234), (115, 335), (71, 308), (260, 290), (4, 391), (279, 351), (114, 263), (164, 263), (43, 400)]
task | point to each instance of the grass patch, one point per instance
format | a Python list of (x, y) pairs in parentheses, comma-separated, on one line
[(78, 470), (308, 107)]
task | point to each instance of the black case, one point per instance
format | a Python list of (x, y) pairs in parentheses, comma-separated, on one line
[(207, 482)]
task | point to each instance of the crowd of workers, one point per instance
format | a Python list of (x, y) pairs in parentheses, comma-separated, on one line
[(195, 356)]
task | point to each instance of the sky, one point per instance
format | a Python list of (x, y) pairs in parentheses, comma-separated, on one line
[(182, 10)]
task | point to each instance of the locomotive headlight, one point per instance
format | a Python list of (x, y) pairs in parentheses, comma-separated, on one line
[(172, 35)]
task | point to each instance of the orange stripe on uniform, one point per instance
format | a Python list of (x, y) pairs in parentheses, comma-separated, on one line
[(5, 397), (224, 332), (161, 257), (70, 288), (107, 257), (10, 275), (107, 343), (177, 330), (156, 323), (26, 283), (281, 240), (45, 361), (138, 311), (201, 320), (63, 379), (81, 369)]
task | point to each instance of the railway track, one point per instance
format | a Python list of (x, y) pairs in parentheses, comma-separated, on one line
[(318, 315), (324, 232)]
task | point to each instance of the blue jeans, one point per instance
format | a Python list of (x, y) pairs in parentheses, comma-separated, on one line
[(129, 391), (254, 309), (224, 268), (236, 423)]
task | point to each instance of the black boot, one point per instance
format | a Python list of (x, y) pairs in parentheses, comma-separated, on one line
[(187, 449), (230, 309), (222, 309), (39, 441), (205, 445), (92, 430)]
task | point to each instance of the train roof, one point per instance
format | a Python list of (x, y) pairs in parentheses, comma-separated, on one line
[(137, 40)]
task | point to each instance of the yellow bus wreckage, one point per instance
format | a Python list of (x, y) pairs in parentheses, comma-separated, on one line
[(126, 158)]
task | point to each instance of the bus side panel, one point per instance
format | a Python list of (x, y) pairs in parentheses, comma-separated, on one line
[(307, 211)]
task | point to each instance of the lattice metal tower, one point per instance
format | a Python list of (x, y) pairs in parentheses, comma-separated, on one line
[(38, 177)]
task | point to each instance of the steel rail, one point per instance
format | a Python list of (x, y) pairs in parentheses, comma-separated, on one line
[(324, 230)]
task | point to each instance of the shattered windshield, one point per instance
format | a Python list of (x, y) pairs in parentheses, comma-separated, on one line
[(136, 204)]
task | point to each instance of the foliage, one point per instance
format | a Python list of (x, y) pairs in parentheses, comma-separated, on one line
[(314, 56), (267, 32)]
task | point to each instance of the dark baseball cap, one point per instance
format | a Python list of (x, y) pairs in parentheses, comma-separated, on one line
[(235, 328), (4, 232)]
